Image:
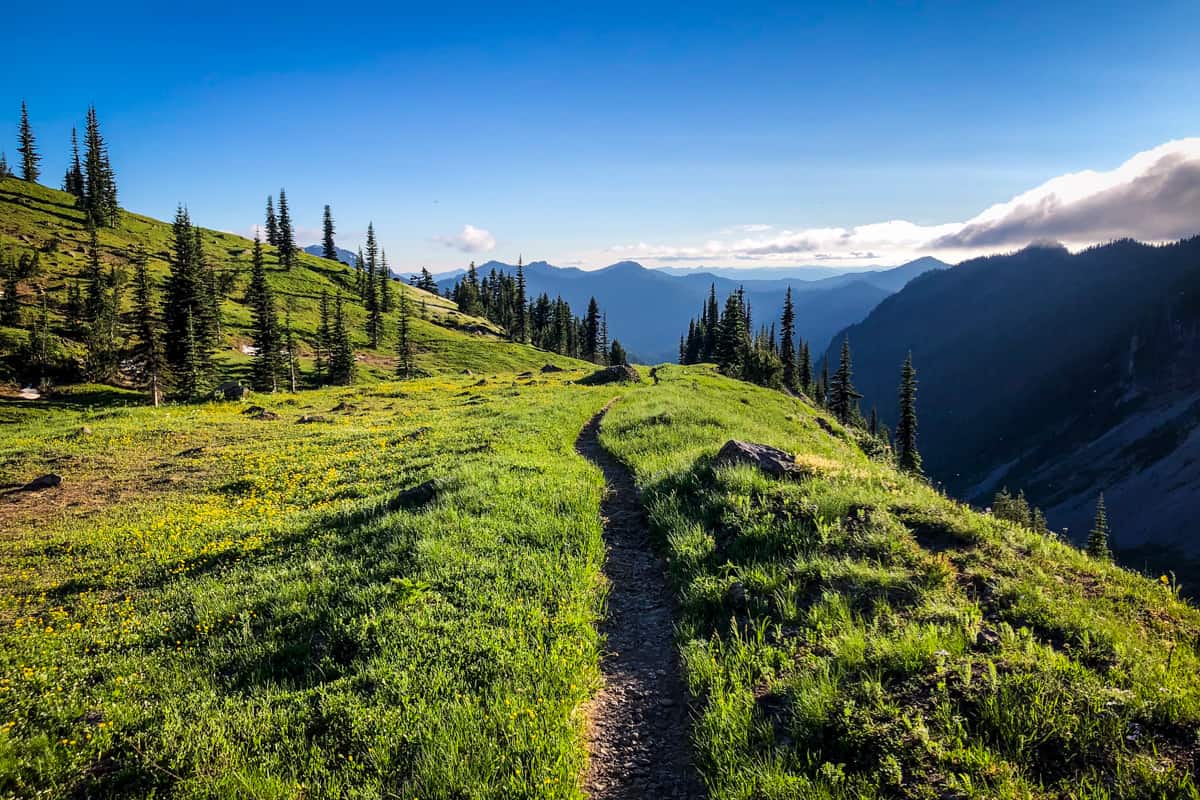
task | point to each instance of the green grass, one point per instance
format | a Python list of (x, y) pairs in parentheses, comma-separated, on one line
[(37, 218), (855, 634), (219, 606)]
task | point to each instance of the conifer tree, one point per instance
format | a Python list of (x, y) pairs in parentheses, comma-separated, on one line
[(5, 170), (272, 223), (341, 357), (10, 310), (1097, 541), (149, 350), (38, 348), (100, 186), (404, 347), (287, 236), (289, 349), (873, 423), (209, 319), (787, 347), (324, 335), (186, 352), (804, 371), (371, 293), (95, 299), (74, 308), (102, 357), (74, 181), (906, 427), (591, 336), (602, 349), (328, 248), (360, 271), (264, 324), (521, 328), (732, 341), (385, 284), (843, 398), (30, 158), (617, 356)]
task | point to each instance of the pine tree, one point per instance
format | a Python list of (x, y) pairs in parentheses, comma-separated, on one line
[(328, 248), (191, 369), (873, 423), (1097, 541), (404, 348), (591, 337), (100, 187), (272, 223), (906, 428), (712, 322), (843, 398), (289, 349), (30, 158), (371, 287), (74, 181), (265, 325), (5, 170), (617, 356), (804, 371), (341, 357), (95, 299), (521, 328), (732, 341), (186, 352), (787, 347), (287, 236), (149, 349), (324, 335), (385, 284), (209, 318)]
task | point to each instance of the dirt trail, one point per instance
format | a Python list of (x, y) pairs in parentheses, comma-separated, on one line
[(639, 722)]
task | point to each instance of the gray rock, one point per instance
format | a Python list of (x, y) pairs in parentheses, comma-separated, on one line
[(771, 460)]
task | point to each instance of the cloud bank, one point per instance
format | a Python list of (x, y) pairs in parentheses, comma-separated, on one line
[(1154, 196), (469, 240)]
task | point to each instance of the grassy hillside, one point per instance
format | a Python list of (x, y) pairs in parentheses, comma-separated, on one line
[(36, 218), (855, 634), (218, 605)]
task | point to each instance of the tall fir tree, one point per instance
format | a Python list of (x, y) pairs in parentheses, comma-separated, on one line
[(324, 336), (290, 352), (264, 324), (521, 328), (287, 234), (30, 158), (1097, 541), (385, 283), (591, 337), (186, 351), (328, 248), (617, 355), (907, 454), (100, 185), (371, 290), (787, 345), (74, 182), (5, 170), (272, 223), (404, 347), (96, 293), (210, 310), (150, 348), (341, 356), (843, 398)]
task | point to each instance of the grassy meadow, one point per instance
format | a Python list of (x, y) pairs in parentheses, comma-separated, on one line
[(854, 634), (219, 604)]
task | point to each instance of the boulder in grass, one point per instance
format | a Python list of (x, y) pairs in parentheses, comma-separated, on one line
[(771, 460), (47, 481), (552, 368), (619, 373)]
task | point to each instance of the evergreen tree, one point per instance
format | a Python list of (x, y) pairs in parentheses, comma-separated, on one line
[(184, 304), (371, 298), (804, 371), (521, 328), (272, 223), (385, 285), (617, 354), (209, 320), (823, 385), (712, 320), (404, 349), (360, 271), (5, 170), (341, 357), (328, 248), (602, 344), (74, 181), (95, 299), (1097, 541), (30, 158), (10, 311), (289, 349), (591, 337), (732, 340), (102, 361), (787, 347), (843, 398), (38, 350), (906, 428), (149, 350), (324, 338), (100, 187), (286, 235), (74, 308), (873, 423), (265, 326)]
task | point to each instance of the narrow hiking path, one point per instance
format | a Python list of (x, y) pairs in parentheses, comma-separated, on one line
[(639, 737)]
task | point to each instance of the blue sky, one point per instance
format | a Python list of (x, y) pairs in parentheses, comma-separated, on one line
[(588, 134)]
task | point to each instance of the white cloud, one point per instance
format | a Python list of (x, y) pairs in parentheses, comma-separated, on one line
[(469, 240), (1154, 196)]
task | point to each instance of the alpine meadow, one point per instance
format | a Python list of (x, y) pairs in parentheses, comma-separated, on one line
[(771, 402)]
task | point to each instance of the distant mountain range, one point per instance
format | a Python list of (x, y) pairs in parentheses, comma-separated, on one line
[(813, 273), (649, 309), (344, 256), (1060, 374)]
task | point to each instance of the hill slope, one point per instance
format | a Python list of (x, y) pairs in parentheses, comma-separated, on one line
[(1063, 375), (36, 218)]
